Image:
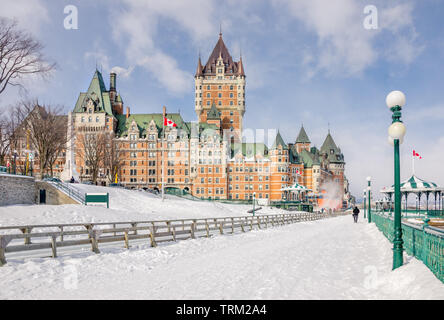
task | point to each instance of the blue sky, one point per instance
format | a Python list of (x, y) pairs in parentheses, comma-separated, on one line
[(307, 61)]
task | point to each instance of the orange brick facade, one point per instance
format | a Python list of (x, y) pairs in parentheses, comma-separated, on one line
[(206, 158)]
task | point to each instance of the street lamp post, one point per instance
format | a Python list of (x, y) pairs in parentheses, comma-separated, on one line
[(15, 161), (365, 203), (369, 179), (395, 101)]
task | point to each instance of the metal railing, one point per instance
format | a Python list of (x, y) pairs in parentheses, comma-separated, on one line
[(65, 235), (69, 191), (424, 242), (416, 212)]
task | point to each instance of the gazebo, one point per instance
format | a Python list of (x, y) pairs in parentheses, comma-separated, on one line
[(419, 187), (293, 189)]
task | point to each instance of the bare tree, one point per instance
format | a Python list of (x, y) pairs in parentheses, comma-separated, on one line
[(91, 148), (10, 121), (113, 157), (45, 128), (58, 139), (4, 138), (20, 55)]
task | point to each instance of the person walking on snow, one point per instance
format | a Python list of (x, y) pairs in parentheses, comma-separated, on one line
[(355, 214)]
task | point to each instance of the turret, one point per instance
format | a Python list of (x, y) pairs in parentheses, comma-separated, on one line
[(112, 86)]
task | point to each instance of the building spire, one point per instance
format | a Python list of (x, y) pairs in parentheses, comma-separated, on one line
[(220, 30), (199, 67)]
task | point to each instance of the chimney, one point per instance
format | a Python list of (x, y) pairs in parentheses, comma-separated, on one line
[(127, 112), (112, 82)]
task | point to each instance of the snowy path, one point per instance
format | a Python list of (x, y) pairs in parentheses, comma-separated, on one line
[(326, 259)]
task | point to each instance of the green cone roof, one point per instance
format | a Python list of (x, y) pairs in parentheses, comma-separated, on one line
[(96, 90), (302, 136), (330, 149), (213, 114), (279, 142)]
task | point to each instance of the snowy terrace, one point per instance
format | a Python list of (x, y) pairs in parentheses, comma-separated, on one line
[(325, 259)]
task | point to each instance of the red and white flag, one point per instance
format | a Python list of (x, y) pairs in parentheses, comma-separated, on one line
[(169, 123), (416, 154)]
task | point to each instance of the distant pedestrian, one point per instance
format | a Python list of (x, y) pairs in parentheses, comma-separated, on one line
[(72, 180), (355, 214)]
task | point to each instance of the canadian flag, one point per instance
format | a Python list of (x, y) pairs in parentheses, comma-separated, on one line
[(169, 123), (416, 154), (298, 172)]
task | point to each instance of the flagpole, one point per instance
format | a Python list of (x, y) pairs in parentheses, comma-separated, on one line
[(163, 153), (413, 164)]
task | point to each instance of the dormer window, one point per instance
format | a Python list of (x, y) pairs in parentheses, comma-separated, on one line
[(219, 70), (332, 151)]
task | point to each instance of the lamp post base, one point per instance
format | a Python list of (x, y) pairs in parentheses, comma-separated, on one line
[(397, 256)]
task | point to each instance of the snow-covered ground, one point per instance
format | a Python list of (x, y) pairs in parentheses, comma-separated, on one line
[(325, 259), (125, 205)]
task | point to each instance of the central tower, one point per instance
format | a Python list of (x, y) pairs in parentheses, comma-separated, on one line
[(221, 82)]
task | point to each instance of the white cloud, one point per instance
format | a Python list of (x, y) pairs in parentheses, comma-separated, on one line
[(136, 28), (30, 14), (100, 59), (344, 47), (122, 72)]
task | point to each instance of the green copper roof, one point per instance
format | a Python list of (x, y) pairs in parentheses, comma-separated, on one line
[(279, 142), (309, 159), (213, 114), (97, 93), (197, 129), (302, 136), (330, 149), (250, 149), (143, 121), (294, 156)]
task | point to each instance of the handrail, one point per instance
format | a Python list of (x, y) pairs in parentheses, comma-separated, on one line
[(155, 231), (424, 242), (437, 231), (70, 191)]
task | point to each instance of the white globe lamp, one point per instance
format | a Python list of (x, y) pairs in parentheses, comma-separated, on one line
[(397, 130), (395, 98)]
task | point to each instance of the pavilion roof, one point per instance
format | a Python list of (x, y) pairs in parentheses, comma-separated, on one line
[(415, 185)]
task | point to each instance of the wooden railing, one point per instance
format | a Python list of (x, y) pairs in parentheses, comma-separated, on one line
[(64, 235)]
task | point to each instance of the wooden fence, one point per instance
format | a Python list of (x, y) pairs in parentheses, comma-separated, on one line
[(21, 238)]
